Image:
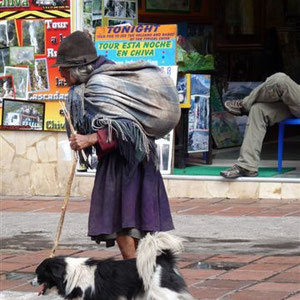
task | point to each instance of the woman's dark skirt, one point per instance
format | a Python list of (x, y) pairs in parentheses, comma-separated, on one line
[(123, 203)]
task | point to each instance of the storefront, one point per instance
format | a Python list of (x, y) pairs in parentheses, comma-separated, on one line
[(222, 49)]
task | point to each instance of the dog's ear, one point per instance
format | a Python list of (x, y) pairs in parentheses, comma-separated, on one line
[(57, 270)]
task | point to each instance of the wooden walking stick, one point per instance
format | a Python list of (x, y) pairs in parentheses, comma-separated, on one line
[(69, 186), (64, 207)]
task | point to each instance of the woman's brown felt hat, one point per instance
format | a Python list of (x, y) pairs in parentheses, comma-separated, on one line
[(77, 49)]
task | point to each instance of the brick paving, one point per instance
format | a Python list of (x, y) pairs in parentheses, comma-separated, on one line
[(209, 276)]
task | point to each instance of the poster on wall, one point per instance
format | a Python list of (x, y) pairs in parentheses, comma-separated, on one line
[(198, 118), (23, 115), (7, 89), (20, 80), (4, 57), (153, 43), (30, 34)]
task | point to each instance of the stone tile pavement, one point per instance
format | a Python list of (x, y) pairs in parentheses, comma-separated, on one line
[(225, 276)]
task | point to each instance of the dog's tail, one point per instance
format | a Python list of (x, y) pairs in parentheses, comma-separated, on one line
[(152, 246)]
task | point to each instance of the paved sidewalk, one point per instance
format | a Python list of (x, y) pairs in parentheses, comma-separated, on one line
[(216, 264)]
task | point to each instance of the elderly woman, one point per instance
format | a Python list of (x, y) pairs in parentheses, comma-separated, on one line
[(120, 110)]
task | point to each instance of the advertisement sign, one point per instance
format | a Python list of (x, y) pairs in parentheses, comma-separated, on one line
[(30, 34), (152, 42)]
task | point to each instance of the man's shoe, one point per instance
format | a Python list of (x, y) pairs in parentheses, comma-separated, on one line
[(234, 107), (237, 171)]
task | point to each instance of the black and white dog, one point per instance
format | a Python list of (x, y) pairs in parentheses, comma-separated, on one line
[(153, 275)]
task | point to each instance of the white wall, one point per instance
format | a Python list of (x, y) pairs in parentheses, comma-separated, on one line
[(34, 163)]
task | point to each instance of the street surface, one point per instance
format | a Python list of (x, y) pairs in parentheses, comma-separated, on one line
[(234, 249)]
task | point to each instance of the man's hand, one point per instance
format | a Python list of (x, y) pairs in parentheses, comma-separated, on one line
[(79, 141)]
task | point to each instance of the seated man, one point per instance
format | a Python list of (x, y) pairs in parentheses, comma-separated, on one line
[(275, 100)]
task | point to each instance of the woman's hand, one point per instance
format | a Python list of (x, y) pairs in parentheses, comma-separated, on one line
[(79, 141)]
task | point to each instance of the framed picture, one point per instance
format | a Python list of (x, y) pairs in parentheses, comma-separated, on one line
[(8, 34), (88, 6), (20, 79), (198, 130), (131, 10), (25, 115), (4, 59), (238, 89), (225, 130), (87, 20), (21, 56), (6, 88), (97, 7), (34, 35), (239, 24), (165, 153), (39, 80), (200, 84), (184, 90), (168, 5), (97, 22), (109, 8), (120, 9), (199, 114)]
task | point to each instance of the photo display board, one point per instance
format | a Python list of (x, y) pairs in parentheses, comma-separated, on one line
[(30, 34)]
